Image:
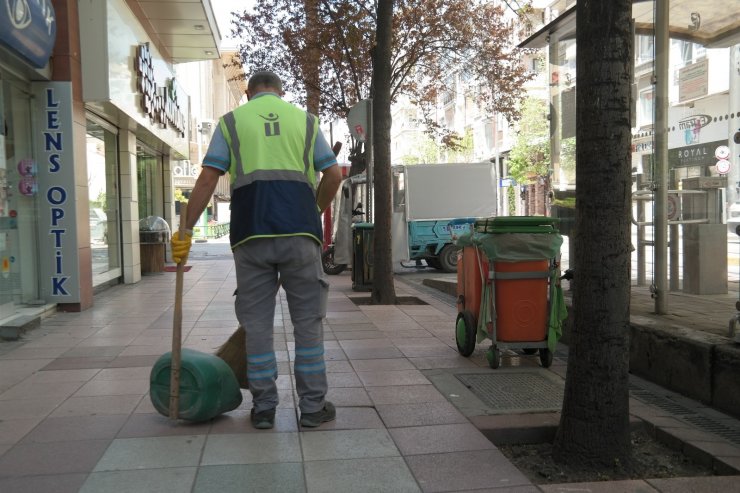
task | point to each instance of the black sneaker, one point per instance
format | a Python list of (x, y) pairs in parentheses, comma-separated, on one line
[(312, 420), (264, 420)]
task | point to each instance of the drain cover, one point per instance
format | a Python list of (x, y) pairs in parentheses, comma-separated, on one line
[(515, 391)]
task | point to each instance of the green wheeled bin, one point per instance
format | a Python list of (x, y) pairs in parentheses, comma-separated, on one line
[(208, 386)]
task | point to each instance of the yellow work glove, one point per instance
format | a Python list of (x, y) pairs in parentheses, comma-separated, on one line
[(181, 248)]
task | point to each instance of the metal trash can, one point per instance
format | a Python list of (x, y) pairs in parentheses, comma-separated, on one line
[(154, 234), (362, 256)]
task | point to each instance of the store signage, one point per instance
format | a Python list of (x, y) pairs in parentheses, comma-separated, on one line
[(28, 27), (693, 81), (56, 190), (161, 104), (695, 155)]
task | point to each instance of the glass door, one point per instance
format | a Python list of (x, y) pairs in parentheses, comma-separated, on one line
[(18, 202), (103, 201)]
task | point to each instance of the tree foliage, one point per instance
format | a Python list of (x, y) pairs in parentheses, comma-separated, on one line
[(431, 39), (529, 159)]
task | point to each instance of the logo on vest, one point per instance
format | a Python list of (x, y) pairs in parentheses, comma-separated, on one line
[(272, 125)]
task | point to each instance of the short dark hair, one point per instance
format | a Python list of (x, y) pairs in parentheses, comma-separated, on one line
[(264, 78)]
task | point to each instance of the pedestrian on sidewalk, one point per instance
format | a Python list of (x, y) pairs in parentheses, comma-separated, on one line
[(272, 151)]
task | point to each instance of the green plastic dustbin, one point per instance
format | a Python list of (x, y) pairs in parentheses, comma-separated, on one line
[(208, 386), (362, 256)]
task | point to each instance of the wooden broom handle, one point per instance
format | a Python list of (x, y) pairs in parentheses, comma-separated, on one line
[(177, 324)]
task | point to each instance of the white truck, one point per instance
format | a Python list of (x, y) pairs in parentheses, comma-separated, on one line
[(426, 197)]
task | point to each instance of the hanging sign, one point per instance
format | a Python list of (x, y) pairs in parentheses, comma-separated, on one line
[(28, 28)]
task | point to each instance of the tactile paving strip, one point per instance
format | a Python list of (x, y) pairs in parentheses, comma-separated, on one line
[(515, 391)]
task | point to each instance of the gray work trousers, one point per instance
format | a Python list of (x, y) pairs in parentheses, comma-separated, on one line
[(297, 262)]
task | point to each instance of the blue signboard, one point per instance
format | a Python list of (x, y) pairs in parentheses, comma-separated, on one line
[(29, 28)]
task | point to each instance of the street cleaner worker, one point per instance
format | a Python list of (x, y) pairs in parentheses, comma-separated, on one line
[(272, 151)]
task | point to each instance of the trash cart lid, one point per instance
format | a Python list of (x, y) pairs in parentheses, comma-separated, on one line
[(363, 225), (517, 224), (514, 247)]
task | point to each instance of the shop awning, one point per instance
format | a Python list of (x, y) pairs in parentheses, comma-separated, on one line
[(707, 22), (187, 29)]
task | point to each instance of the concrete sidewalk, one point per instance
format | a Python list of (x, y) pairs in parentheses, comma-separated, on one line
[(75, 413)]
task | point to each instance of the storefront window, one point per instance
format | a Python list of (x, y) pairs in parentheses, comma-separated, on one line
[(18, 202), (102, 178), (147, 167)]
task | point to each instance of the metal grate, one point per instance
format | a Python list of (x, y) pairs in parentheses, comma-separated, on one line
[(515, 391), (705, 423)]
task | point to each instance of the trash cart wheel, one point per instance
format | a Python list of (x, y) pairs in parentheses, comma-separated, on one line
[(545, 357), (494, 357), (529, 350), (465, 333)]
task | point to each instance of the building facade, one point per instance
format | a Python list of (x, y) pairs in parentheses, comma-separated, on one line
[(92, 120)]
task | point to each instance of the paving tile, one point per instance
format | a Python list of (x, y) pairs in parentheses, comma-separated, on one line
[(32, 459), (79, 363), (133, 373), (439, 439), (627, 486), (373, 353), (349, 379), (405, 394), (30, 389), (49, 376), (56, 483), (152, 453), (363, 365), (27, 408), (251, 478), (88, 352), (428, 413), (347, 444), (237, 421), (700, 484), (360, 475), (76, 428), (113, 387), (430, 363), (89, 406), (485, 470), (133, 361), (352, 418), (251, 448), (155, 425), (426, 351), (24, 352), (379, 378), (170, 480), (348, 396), (12, 430)]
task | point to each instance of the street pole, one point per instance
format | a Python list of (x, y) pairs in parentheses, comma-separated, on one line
[(662, 46), (370, 160)]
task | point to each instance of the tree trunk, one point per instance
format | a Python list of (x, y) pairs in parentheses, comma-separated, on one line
[(594, 426), (313, 57), (384, 292)]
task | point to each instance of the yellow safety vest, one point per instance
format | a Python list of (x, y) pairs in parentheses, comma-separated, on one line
[(273, 180)]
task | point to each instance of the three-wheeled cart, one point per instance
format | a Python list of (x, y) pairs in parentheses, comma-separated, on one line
[(508, 287)]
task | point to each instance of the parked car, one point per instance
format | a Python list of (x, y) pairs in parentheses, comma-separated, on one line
[(98, 225)]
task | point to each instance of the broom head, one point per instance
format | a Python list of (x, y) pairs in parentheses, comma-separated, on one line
[(234, 353)]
